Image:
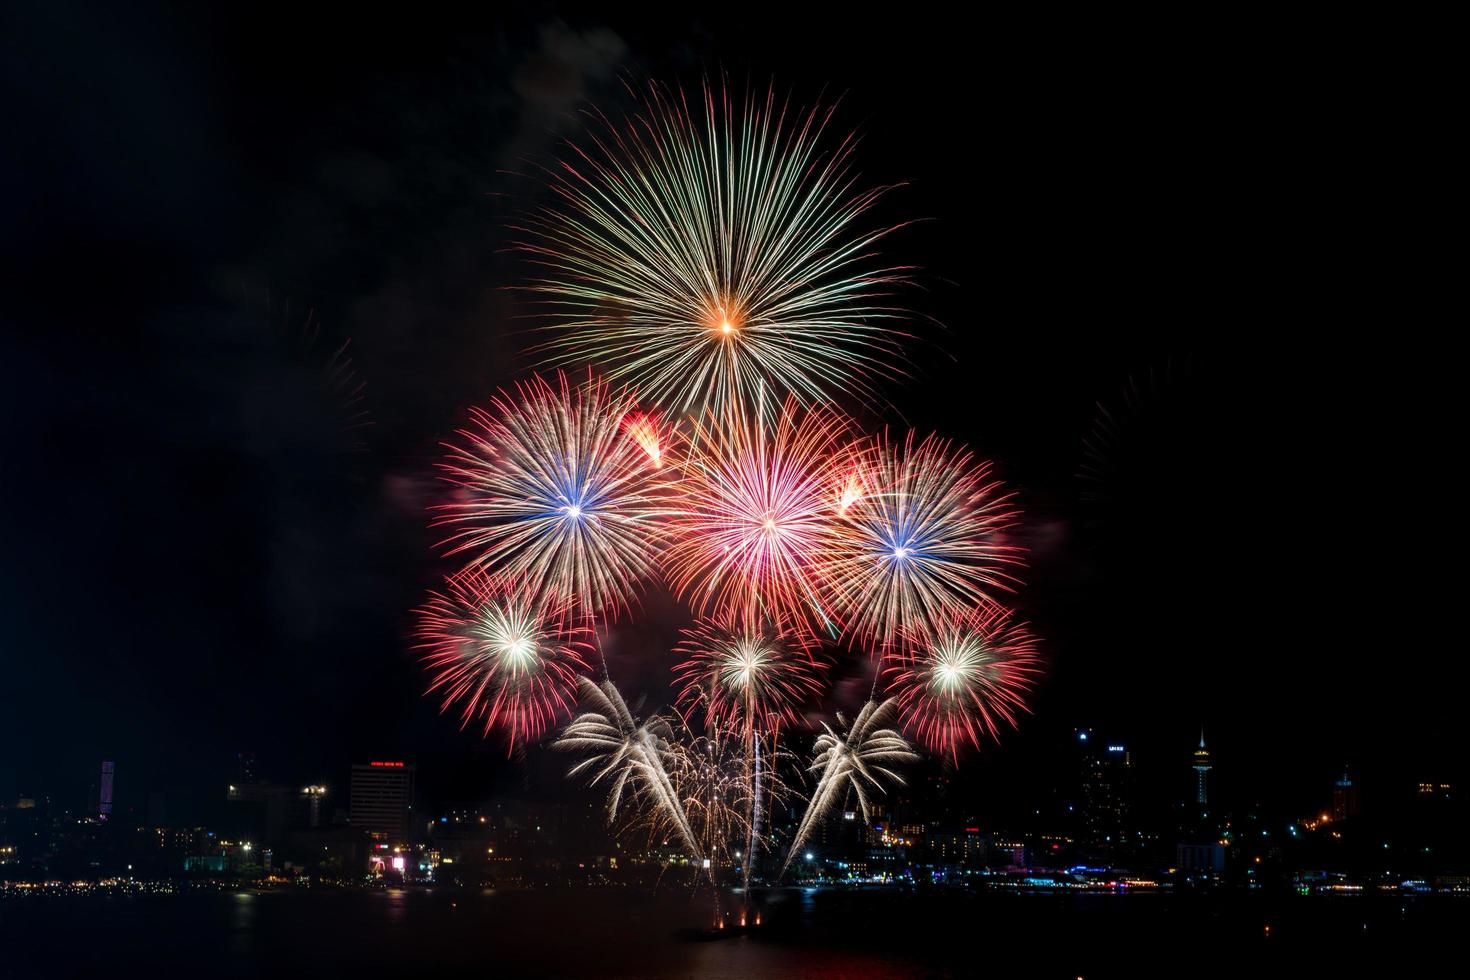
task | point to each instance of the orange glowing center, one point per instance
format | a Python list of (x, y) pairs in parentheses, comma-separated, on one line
[(724, 324)]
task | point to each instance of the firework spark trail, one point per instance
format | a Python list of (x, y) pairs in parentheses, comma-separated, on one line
[(926, 537), (628, 754), (558, 488), (750, 679), (704, 260), (968, 675), (510, 661), (852, 760), (753, 526)]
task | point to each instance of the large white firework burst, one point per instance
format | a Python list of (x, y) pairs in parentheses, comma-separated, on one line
[(717, 253)]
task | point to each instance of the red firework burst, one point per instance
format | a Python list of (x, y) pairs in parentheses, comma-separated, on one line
[(746, 675), (754, 524), (506, 658), (968, 675)]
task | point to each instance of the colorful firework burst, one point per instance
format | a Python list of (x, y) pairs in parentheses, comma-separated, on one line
[(748, 676), (707, 255), (926, 536), (753, 526), (507, 659), (558, 490), (969, 674)]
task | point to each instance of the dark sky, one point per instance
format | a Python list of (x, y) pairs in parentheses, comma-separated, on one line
[(1229, 235)]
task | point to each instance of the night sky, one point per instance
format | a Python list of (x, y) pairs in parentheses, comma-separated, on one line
[(1180, 290)]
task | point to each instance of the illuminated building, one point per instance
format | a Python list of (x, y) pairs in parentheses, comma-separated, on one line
[(382, 799), (1103, 809), (1200, 858), (1344, 797), (1201, 846), (104, 792), (1202, 767), (965, 846), (310, 800)]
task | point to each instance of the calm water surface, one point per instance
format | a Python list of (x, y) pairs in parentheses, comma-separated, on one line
[(637, 933)]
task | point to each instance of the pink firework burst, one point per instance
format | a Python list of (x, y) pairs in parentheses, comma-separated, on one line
[(754, 524), (501, 655), (925, 537), (968, 675), (557, 490), (746, 675)]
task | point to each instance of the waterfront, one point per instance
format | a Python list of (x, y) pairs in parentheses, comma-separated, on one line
[(623, 932)]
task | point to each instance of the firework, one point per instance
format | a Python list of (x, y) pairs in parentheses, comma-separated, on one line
[(969, 675), (557, 489), (753, 526), (751, 677), (629, 756), (650, 433), (746, 675), (505, 659), (708, 782), (925, 537), (708, 256), (851, 760)]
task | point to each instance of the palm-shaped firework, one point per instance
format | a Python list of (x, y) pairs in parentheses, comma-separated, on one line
[(629, 756), (852, 760)]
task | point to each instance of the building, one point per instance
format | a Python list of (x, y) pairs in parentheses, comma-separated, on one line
[(959, 846), (1207, 858), (1436, 792), (1103, 810), (104, 792), (1202, 767), (309, 806), (1200, 849), (258, 811), (1345, 801), (381, 800)]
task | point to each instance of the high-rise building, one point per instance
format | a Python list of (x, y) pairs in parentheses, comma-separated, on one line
[(1202, 767), (1344, 797), (382, 799), (1103, 809), (104, 792), (310, 799)]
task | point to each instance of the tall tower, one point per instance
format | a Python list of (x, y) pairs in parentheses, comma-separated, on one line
[(1344, 797), (1202, 767), (104, 791)]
